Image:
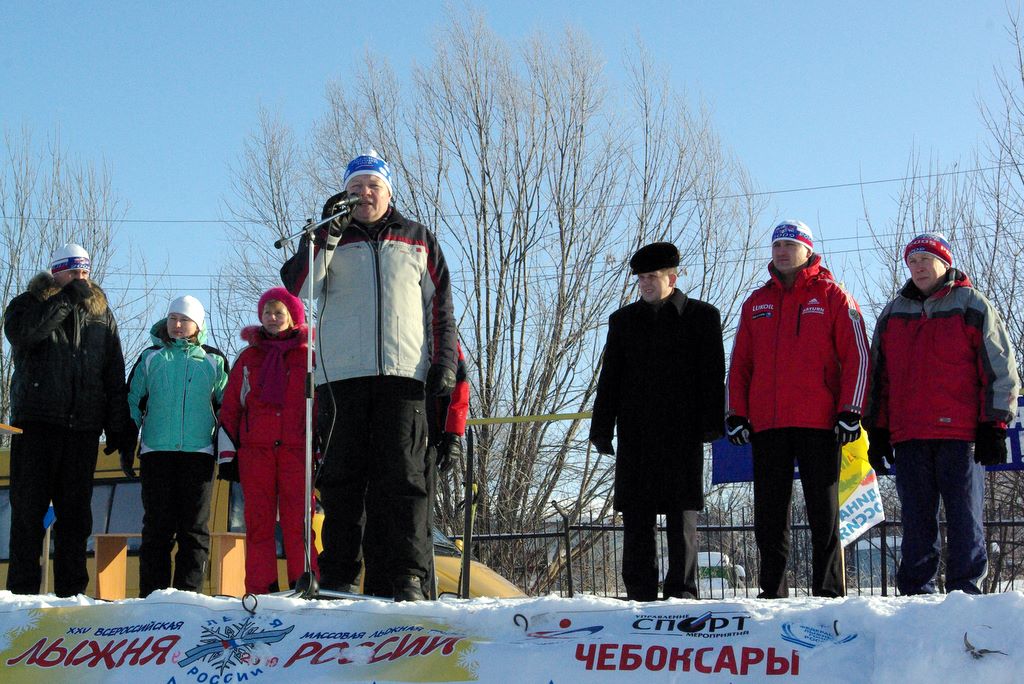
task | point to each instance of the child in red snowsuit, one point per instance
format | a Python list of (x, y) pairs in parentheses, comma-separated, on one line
[(263, 436)]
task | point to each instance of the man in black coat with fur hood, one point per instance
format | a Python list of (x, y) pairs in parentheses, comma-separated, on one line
[(68, 386), (662, 384)]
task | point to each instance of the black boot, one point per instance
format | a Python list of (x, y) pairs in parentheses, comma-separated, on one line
[(408, 588), (334, 583), (341, 588)]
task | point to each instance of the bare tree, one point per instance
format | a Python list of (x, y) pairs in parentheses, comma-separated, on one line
[(47, 200), (981, 212), (996, 252), (930, 199), (271, 198), (996, 247), (540, 178)]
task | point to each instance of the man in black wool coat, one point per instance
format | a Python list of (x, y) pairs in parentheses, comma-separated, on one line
[(663, 385)]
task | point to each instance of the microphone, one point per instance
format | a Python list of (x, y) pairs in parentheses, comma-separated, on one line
[(345, 203)]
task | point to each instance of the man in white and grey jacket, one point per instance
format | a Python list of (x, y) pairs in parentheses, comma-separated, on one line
[(387, 339)]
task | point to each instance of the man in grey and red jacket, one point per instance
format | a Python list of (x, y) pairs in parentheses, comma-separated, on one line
[(945, 385), (387, 339)]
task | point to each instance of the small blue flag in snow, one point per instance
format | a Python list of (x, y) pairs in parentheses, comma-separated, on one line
[(49, 517)]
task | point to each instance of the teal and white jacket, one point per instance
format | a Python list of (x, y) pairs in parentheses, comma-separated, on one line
[(174, 393)]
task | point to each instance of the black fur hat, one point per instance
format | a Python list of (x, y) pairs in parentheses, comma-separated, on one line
[(654, 257)]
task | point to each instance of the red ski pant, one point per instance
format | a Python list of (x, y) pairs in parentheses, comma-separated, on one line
[(273, 484)]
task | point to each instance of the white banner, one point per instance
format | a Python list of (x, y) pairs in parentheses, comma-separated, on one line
[(221, 643)]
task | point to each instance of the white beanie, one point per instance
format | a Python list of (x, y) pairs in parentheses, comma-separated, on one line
[(187, 305), (68, 258)]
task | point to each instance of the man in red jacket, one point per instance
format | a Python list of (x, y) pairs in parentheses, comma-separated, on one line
[(797, 385), (945, 385)]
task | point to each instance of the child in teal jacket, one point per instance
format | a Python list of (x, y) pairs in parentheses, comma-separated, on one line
[(174, 393)]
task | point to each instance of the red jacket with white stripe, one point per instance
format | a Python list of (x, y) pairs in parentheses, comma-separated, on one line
[(801, 354), (942, 364)]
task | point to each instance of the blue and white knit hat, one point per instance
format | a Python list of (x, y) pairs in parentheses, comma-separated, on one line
[(369, 164), (794, 231), (70, 257)]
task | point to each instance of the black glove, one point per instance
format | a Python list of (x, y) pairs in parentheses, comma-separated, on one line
[(440, 380), (228, 470), (847, 427), (738, 429), (128, 464), (125, 444), (603, 445), (880, 450), (990, 445), (77, 291), (338, 225), (448, 451)]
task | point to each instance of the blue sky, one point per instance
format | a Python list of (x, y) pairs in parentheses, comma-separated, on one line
[(805, 94)]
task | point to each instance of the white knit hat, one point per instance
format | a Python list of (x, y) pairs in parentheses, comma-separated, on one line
[(187, 305), (68, 258)]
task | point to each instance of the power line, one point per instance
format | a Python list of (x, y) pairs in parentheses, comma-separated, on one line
[(463, 283), (741, 195), (1013, 232), (550, 271)]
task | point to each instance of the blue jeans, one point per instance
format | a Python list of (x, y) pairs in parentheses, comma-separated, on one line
[(925, 470)]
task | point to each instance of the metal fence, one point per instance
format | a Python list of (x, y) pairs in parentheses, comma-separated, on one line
[(586, 558)]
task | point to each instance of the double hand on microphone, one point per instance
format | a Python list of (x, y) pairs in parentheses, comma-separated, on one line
[(339, 210)]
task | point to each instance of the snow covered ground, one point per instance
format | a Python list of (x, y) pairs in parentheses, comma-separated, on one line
[(182, 637)]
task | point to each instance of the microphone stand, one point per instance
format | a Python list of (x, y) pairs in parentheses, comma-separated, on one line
[(307, 585)]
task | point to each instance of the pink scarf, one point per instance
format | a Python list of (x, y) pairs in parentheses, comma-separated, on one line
[(273, 377)]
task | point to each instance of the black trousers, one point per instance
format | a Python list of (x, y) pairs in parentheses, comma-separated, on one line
[(176, 491), (816, 452), (49, 463), (376, 560), (640, 555), (379, 441)]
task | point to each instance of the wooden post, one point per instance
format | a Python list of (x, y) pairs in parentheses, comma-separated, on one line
[(45, 589), (111, 554), (228, 571)]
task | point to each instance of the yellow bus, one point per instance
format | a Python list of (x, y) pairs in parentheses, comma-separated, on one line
[(117, 509)]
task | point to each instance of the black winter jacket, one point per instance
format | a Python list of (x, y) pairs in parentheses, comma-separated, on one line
[(68, 363), (662, 386)]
